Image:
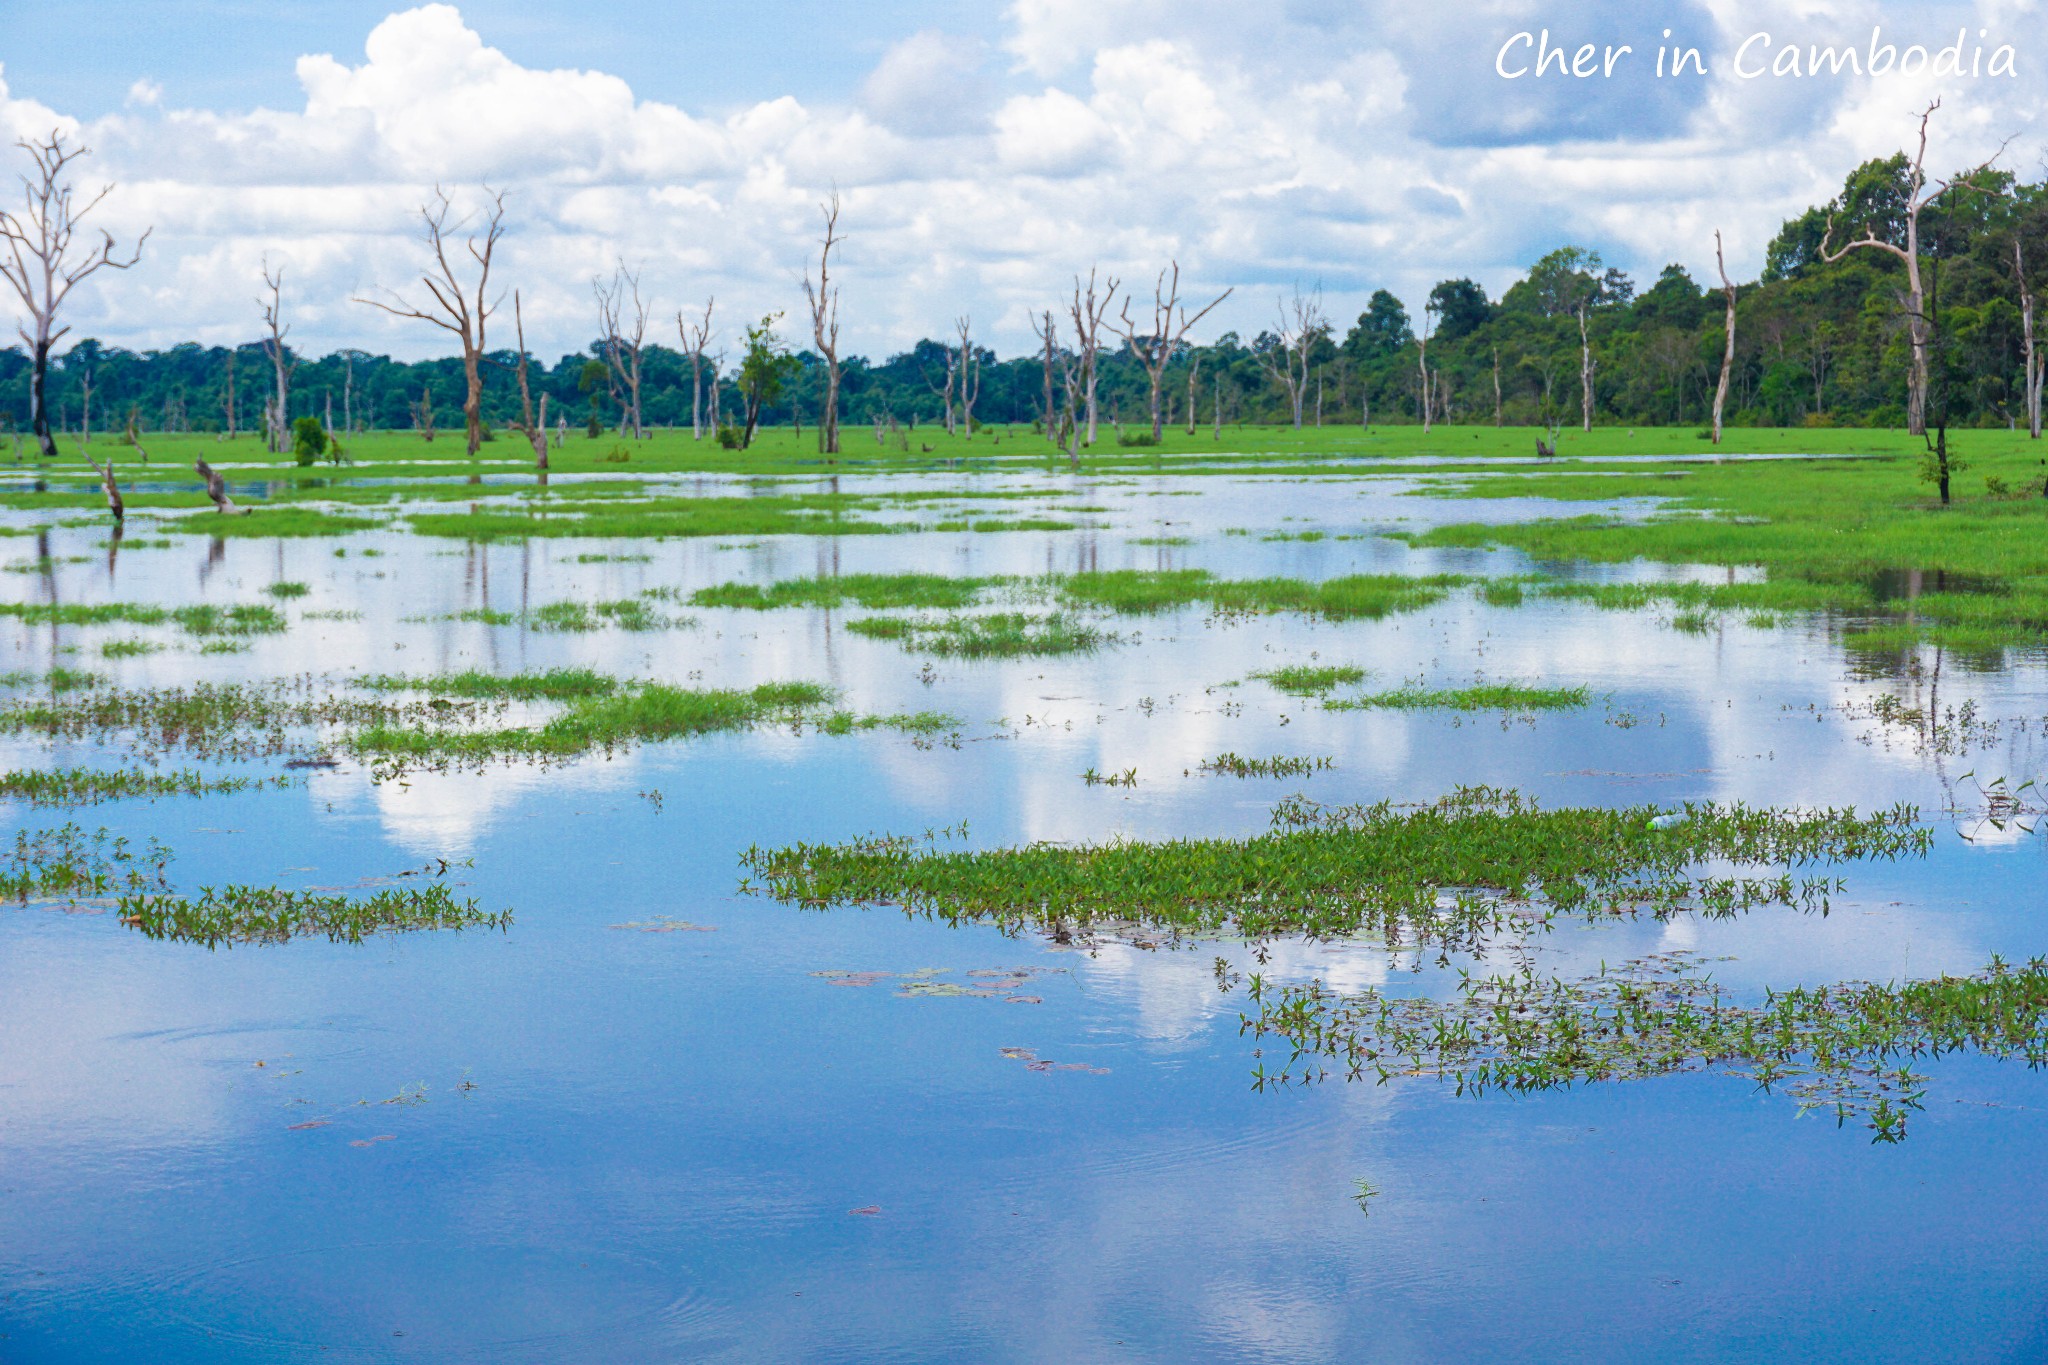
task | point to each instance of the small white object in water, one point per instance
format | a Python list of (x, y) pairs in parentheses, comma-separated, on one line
[(1668, 820)]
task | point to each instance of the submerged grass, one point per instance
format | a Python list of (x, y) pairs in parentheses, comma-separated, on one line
[(67, 862), (230, 915), (556, 684), (1311, 680), (1475, 863), (1844, 1048), (251, 618), (1282, 766), (877, 591), (1479, 697), (90, 786), (999, 635)]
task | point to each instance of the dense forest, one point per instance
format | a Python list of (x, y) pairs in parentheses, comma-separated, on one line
[(1817, 343)]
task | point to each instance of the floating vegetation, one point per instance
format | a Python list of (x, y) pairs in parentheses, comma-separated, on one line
[(67, 862), (128, 649), (1356, 596), (1844, 1048), (270, 914), (1127, 778), (1003, 635), (631, 613), (1033, 1062), (1235, 766), (630, 714), (282, 590), (250, 618), (556, 684), (1310, 680), (876, 591), (820, 514), (983, 983), (665, 924), (213, 719), (90, 786), (1125, 591), (1478, 862), (910, 722), (1480, 697)]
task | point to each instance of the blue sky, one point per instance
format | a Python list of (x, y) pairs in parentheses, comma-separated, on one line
[(985, 153)]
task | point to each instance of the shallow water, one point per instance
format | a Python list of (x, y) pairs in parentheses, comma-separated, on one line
[(582, 1140)]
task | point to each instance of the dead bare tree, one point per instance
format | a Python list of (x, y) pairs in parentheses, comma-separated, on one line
[(2031, 349), (970, 375), (625, 339), (945, 391), (696, 336), (44, 260), (216, 488), (1301, 326), (533, 428), (1048, 336), (1422, 362), (1089, 311), (1156, 347), (113, 491), (1194, 370), (455, 308), (823, 297), (1585, 364), (228, 398), (1919, 327), (1728, 348), (281, 363), (1496, 387)]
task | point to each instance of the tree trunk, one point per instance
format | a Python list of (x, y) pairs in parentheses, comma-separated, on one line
[(1496, 388), (1728, 348), (39, 403), (1194, 369), (1422, 364), (473, 400), (2031, 354), (1585, 372)]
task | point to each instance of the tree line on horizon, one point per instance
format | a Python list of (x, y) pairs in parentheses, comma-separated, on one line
[(1829, 335)]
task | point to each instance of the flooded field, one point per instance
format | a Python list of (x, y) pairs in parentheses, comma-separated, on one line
[(608, 979)]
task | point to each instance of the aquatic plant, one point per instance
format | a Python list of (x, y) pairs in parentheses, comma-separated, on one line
[(232, 914), (1281, 766), (1006, 634), (1311, 680), (1478, 697), (1841, 1048), (90, 786), (1477, 862), (67, 861)]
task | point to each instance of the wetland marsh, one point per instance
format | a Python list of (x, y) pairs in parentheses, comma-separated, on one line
[(1338, 897)]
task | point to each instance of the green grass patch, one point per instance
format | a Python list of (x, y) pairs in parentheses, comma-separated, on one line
[(998, 635), (1311, 680), (880, 592), (90, 786), (228, 915), (1235, 765), (556, 684), (1478, 697), (1498, 860)]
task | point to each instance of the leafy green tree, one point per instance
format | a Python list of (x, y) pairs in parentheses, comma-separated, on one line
[(765, 368), (1461, 308)]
